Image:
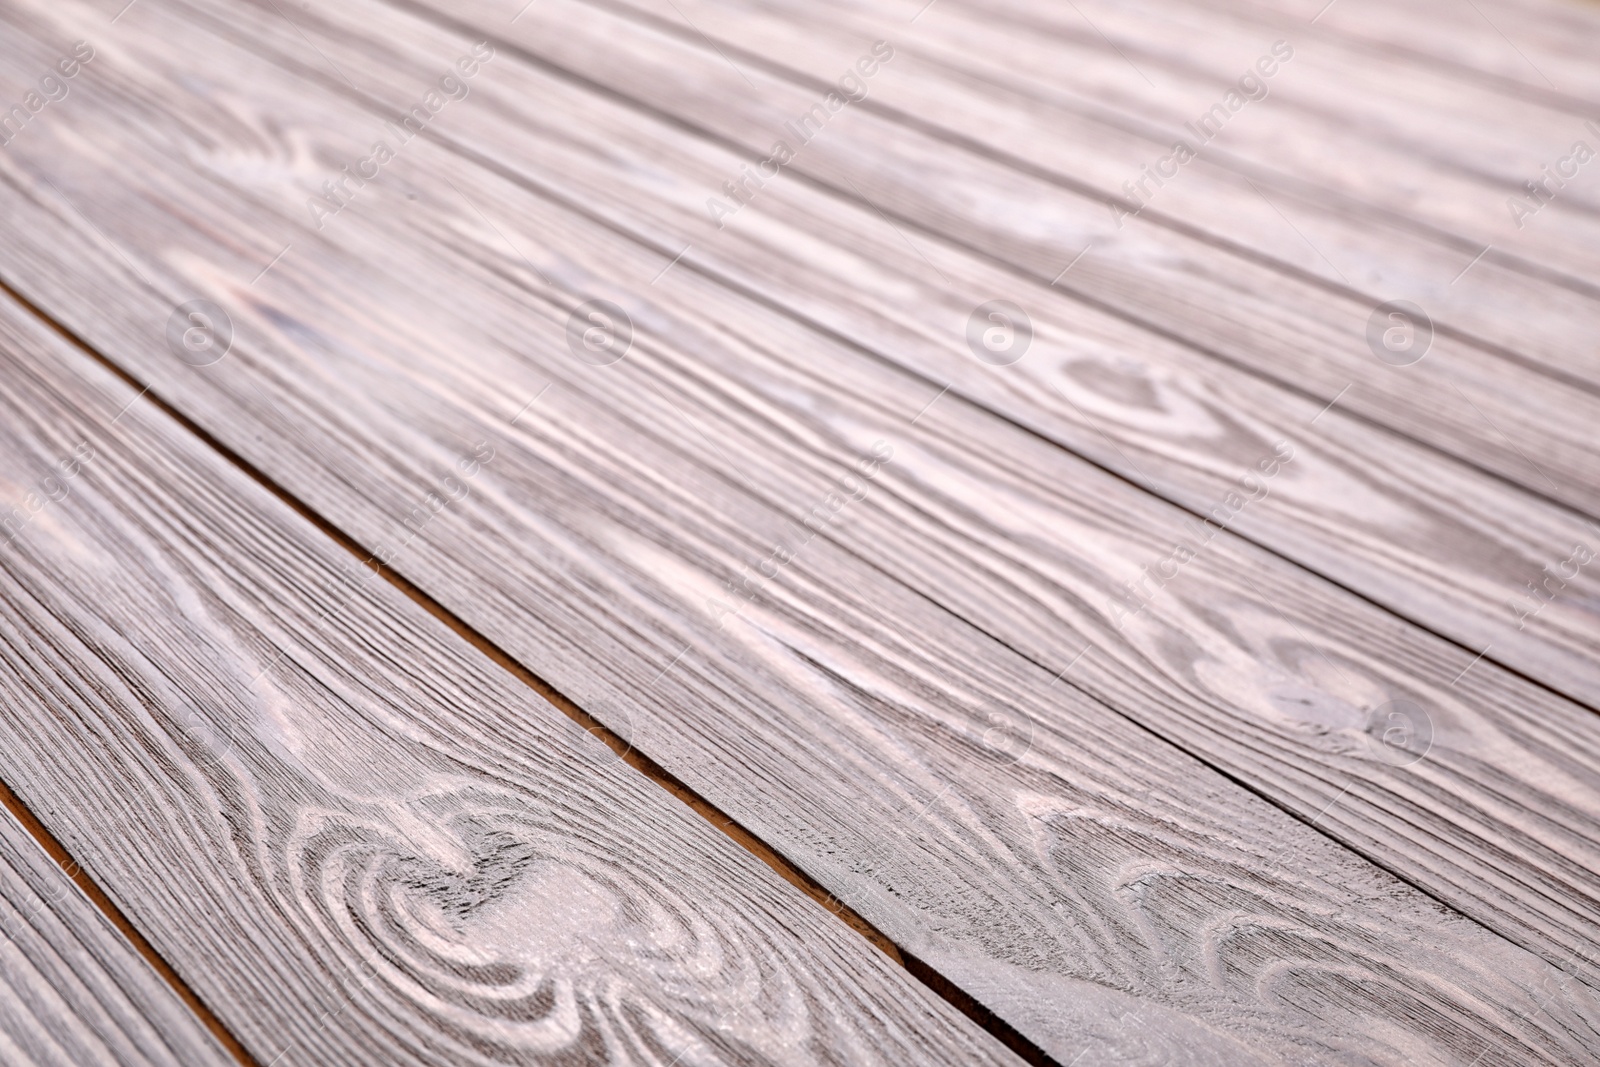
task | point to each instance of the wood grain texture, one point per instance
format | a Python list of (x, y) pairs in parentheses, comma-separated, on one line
[(1097, 872), (356, 837), (1337, 118), (1321, 176), (1289, 330), (1536, 51), (1442, 545), (73, 992)]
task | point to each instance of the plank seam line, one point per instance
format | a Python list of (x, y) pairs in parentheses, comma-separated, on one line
[(1283, 183), (938, 984), (839, 194), (71, 869), (538, 188)]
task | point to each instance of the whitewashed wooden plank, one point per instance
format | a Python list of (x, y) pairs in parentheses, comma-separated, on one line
[(1536, 51), (1321, 176), (612, 535), (73, 991)]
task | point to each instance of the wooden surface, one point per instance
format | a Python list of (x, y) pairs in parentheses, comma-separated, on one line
[(1380, 536), (1251, 688), (1105, 834), (341, 876), (73, 991)]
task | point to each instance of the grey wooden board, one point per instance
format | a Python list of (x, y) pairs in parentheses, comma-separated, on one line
[(1448, 548), (1320, 176), (957, 200), (73, 991), (1546, 897), (354, 836), (870, 734)]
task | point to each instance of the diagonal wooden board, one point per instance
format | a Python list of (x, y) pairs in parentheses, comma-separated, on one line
[(1454, 556), (844, 678), (359, 840), (73, 991)]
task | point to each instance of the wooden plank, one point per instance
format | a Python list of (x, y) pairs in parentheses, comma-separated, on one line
[(1383, 541), (73, 991), (356, 837), (1506, 894), (870, 734), (1322, 182)]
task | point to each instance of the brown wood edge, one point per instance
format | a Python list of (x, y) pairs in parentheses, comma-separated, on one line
[(937, 983), (70, 867)]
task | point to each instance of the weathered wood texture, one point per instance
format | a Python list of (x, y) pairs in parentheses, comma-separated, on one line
[(359, 840), (989, 202), (839, 717), (73, 991), (1539, 51), (1306, 682), (1376, 136), (1317, 175), (1440, 543)]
